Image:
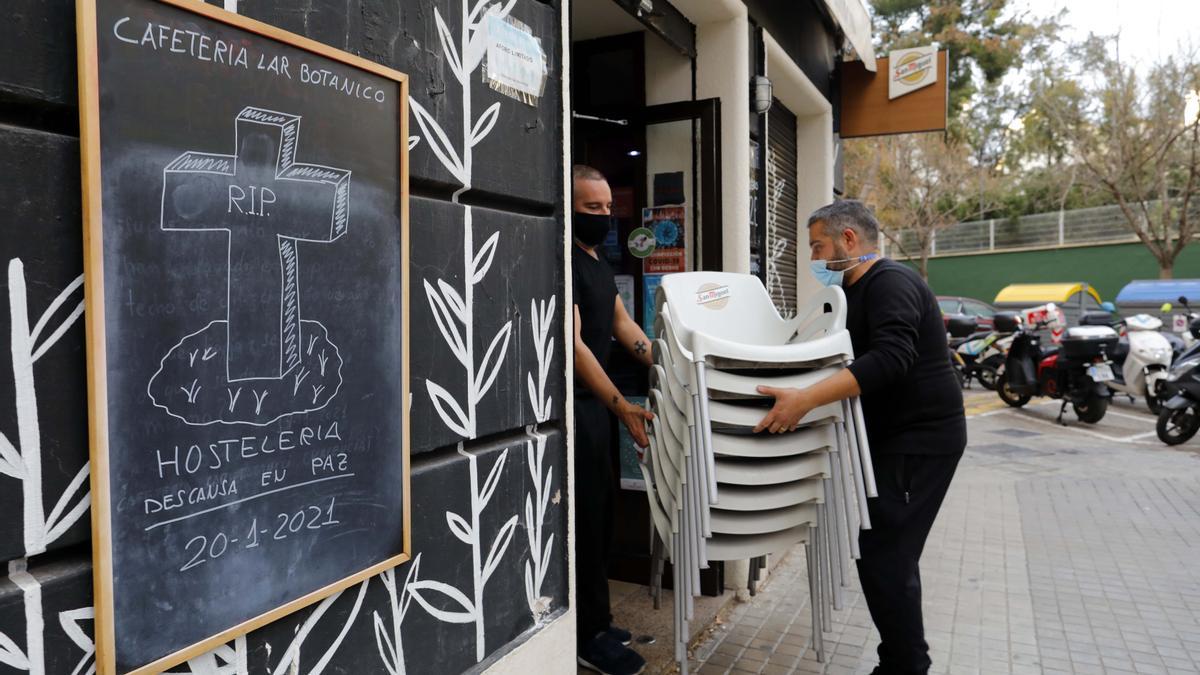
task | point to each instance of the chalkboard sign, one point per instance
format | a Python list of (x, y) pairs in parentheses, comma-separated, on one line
[(245, 194)]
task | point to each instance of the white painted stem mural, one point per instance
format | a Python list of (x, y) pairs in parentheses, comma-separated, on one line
[(23, 462), (537, 501), (454, 311), (454, 315), (391, 641), (232, 658), (470, 610)]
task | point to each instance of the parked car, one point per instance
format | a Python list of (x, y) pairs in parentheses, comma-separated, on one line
[(953, 305)]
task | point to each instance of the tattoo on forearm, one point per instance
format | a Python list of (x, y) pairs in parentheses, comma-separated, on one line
[(615, 399), (639, 347)]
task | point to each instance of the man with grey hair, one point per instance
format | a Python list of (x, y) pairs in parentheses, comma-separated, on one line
[(913, 407)]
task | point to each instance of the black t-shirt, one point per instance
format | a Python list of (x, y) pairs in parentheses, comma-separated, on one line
[(911, 399), (596, 296)]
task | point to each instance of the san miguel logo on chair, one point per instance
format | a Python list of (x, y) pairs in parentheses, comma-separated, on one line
[(911, 69)]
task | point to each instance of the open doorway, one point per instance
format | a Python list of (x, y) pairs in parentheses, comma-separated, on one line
[(636, 119)]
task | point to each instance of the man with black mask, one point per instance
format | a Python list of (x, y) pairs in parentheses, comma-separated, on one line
[(600, 317)]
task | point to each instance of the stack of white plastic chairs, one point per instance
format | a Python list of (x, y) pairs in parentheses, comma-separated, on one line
[(716, 490)]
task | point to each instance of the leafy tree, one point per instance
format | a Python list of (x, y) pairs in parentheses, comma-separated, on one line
[(1136, 139), (914, 183), (985, 39)]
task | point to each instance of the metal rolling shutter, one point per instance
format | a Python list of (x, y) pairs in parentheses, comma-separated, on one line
[(782, 254)]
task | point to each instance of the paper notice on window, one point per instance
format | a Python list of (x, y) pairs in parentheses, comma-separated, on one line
[(516, 64)]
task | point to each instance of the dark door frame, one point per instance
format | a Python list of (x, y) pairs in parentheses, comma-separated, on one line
[(706, 171)]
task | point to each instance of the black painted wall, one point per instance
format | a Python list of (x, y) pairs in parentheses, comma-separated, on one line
[(805, 32), (427, 616)]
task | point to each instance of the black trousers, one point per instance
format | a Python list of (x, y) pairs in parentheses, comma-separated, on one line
[(911, 490), (593, 517)]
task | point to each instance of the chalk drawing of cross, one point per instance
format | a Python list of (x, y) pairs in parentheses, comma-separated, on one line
[(266, 202)]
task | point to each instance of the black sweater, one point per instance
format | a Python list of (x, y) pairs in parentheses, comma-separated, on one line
[(911, 399)]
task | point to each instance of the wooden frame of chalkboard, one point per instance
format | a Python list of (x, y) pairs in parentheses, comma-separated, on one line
[(98, 357)]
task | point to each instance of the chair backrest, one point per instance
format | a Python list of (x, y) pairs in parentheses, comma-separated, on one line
[(731, 306), (665, 471), (672, 392), (667, 425), (823, 313), (664, 476), (680, 355), (672, 422)]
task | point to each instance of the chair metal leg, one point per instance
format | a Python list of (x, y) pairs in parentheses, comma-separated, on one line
[(699, 495), (697, 541), (705, 516), (688, 560), (677, 593), (845, 524), (859, 482), (706, 428), (864, 447), (818, 639), (851, 503), (656, 566), (831, 577), (837, 498), (837, 534), (826, 577)]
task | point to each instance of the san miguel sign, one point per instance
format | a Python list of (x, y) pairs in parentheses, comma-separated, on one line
[(910, 70), (905, 94)]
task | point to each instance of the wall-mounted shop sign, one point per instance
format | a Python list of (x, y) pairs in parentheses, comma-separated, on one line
[(911, 69), (246, 239), (907, 94)]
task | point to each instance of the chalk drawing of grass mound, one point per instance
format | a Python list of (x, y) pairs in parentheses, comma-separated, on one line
[(192, 383)]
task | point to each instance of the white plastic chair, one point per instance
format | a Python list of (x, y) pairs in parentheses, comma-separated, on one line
[(814, 482), (763, 522), (740, 327), (772, 471)]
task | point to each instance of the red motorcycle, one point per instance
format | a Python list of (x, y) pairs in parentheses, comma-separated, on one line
[(1076, 372)]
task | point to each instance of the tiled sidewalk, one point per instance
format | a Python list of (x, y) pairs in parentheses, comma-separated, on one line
[(1058, 550)]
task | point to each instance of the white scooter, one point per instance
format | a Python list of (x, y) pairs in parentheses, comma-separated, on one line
[(1141, 360)]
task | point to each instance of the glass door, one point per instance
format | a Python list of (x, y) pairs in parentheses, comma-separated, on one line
[(680, 219)]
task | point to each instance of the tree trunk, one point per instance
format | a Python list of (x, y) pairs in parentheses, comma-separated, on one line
[(924, 267), (1166, 270)]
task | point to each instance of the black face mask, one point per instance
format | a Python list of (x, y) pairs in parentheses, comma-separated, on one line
[(590, 228)]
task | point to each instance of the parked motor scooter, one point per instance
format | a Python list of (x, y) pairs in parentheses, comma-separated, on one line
[(981, 354), (959, 330), (1076, 372), (1181, 338), (1179, 419), (1140, 359)]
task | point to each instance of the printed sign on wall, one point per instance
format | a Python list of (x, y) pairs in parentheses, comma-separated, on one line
[(516, 65), (666, 223)]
